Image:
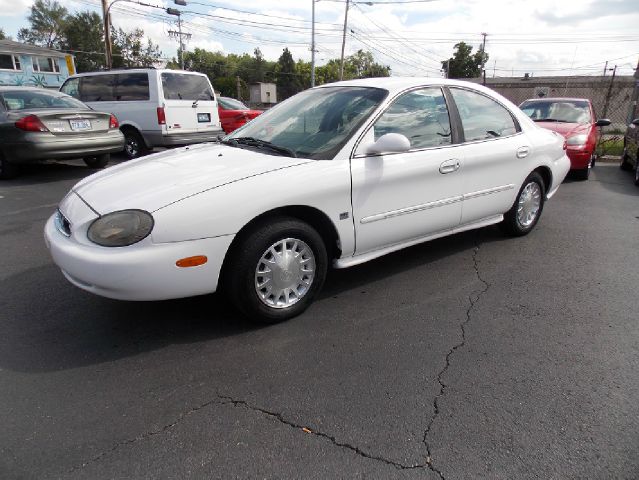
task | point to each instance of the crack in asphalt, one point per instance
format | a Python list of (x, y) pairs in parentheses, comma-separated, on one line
[(332, 439), (473, 298)]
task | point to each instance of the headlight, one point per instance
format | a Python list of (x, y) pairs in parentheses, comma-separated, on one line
[(577, 140), (119, 229)]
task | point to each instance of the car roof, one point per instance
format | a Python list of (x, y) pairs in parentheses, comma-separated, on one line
[(134, 70), (7, 88), (397, 84)]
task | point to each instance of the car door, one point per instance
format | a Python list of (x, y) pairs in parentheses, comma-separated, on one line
[(403, 196), (189, 104), (493, 151)]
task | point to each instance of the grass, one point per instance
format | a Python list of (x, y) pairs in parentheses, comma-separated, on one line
[(610, 145)]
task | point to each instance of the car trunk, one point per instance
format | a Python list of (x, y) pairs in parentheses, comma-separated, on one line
[(61, 122)]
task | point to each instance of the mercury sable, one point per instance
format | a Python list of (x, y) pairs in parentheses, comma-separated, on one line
[(339, 174)]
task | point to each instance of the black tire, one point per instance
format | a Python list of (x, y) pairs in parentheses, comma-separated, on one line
[(239, 275), (7, 169), (511, 224), (582, 174), (134, 145), (625, 161), (99, 161)]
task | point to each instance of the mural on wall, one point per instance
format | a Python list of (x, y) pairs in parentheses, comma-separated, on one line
[(27, 77)]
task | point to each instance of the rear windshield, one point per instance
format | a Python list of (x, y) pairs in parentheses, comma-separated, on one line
[(35, 99), (182, 86), (231, 104)]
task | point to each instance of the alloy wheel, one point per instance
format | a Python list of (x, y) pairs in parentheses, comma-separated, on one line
[(528, 204)]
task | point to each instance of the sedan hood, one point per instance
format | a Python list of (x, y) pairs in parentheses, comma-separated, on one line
[(158, 180), (566, 129)]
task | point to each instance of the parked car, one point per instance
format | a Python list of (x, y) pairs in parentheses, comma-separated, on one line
[(630, 156), (234, 114), (575, 119), (156, 108), (342, 173), (38, 124)]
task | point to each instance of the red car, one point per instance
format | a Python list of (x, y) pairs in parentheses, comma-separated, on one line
[(575, 119), (234, 114)]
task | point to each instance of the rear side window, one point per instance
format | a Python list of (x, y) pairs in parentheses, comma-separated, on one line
[(97, 88), (132, 86), (482, 117), (182, 86)]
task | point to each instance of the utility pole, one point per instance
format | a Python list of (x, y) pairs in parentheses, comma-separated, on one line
[(483, 56), (239, 87), (107, 35), (341, 63), (179, 35), (313, 46), (605, 68), (609, 94)]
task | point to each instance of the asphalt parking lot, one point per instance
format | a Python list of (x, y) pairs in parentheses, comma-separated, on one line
[(473, 356)]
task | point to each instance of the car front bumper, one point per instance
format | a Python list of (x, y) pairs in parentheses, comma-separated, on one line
[(579, 159), (144, 271), (36, 147)]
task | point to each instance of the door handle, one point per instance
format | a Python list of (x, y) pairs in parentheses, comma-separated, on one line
[(449, 166), (522, 152)]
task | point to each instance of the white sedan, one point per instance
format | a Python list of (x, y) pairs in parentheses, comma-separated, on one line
[(339, 174)]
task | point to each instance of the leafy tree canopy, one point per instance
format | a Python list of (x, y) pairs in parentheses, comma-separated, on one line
[(464, 64), (47, 20)]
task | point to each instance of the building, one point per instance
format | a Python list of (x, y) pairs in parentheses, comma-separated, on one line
[(262, 94), (22, 64)]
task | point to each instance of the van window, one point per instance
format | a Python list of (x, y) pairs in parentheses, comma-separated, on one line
[(97, 88), (132, 86), (182, 86), (72, 87)]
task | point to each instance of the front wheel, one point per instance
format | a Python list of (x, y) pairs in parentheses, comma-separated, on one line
[(276, 270), (625, 161), (525, 212)]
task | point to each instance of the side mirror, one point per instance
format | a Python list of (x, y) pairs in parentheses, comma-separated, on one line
[(602, 122), (388, 143), (635, 122)]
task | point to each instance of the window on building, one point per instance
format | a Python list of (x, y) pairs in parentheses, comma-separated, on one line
[(9, 62), (45, 65)]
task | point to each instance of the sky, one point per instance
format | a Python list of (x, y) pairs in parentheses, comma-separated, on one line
[(539, 37)]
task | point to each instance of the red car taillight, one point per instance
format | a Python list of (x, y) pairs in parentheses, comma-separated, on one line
[(113, 122), (161, 116), (31, 123)]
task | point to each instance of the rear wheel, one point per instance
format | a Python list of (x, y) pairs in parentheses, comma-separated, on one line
[(625, 161), (134, 145), (99, 161), (525, 212), (7, 169), (276, 270)]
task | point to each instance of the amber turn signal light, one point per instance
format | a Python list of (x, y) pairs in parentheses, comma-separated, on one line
[(192, 261)]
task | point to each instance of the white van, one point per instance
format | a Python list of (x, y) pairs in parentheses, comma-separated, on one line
[(154, 107)]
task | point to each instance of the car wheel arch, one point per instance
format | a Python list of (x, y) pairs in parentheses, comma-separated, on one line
[(127, 127), (313, 216), (546, 175)]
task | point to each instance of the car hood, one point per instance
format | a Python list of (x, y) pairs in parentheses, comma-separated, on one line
[(566, 129), (158, 180)]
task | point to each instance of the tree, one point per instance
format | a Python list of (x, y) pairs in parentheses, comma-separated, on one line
[(463, 64), (83, 36), (288, 83), (129, 51), (47, 19), (362, 65), (2, 35)]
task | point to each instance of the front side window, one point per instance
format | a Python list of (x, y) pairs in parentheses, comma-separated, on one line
[(421, 116), (182, 86), (563, 111), (71, 87), (45, 65), (9, 62), (315, 123), (97, 88), (482, 117)]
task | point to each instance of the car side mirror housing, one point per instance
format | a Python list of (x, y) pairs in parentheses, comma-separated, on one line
[(388, 143), (635, 122), (603, 122)]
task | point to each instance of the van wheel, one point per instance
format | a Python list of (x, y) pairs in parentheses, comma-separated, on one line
[(99, 161), (7, 169), (134, 145)]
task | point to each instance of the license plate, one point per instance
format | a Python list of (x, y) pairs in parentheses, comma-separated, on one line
[(79, 125), (203, 117)]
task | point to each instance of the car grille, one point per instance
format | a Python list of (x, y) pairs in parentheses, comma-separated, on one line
[(62, 224)]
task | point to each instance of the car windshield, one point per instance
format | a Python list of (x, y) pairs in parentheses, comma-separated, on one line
[(566, 111), (315, 123), (231, 104), (38, 99)]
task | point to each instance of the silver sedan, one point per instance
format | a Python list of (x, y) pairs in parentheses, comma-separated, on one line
[(38, 124)]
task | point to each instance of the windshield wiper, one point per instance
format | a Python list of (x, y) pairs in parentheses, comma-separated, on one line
[(549, 120), (256, 142)]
